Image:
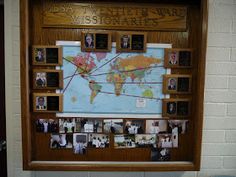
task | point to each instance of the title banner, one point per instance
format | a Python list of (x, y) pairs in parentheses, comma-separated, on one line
[(114, 16)]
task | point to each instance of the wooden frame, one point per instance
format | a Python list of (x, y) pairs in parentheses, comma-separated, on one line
[(174, 112), (44, 84), (43, 53), (93, 37), (37, 97), (196, 39), (176, 63), (129, 36), (172, 84)]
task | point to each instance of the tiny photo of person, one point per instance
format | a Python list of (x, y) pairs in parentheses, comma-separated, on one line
[(172, 84), (124, 141), (41, 103), (178, 126), (168, 140), (98, 140), (134, 126), (80, 143), (40, 79), (113, 125), (171, 108), (59, 141), (162, 154), (89, 40), (88, 125), (67, 125), (156, 126), (173, 58), (145, 140), (39, 54), (125, 42), (46, 125)]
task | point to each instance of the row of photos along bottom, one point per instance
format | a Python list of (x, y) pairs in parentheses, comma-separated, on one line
[(81, 134)]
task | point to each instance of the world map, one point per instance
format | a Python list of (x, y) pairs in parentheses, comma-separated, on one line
[(111, 82)]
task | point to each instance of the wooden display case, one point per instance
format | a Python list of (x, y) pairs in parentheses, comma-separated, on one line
[(181, 23)]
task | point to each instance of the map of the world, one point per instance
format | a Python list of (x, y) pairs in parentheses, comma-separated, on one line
[(111, 82)]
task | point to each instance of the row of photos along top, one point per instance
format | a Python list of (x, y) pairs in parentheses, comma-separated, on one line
[(81, 134)]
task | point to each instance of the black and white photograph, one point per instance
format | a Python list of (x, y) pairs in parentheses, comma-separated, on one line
[(134, 126), (124, 141), (171, 108), (89, 40), (113, 125), (178, 126), (145, 140), (168, 140), (40, 80), (98, 140), (67, 125), (88, 125), (41, 103), (160, 154), (172, 84), (46, 125), (59, 141), (80, 143), (125, 41), (156, 126)]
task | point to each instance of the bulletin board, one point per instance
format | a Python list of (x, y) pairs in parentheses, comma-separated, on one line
[(130, 100)]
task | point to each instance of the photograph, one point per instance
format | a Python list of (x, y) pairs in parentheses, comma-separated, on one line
[(59, 141), (113, 125), (80, 143), (98, 140), (178, 126), (145, 140), (89, 40), (172, 84), (47, 125), (124, 141), (41, 103), (168, 140), (125, 41), (39, 55), (67, 125), (183, 84), (156, 126), (40, 79), (171, 108), (134, 126), (173, 57), (88, 125), (160, 154)]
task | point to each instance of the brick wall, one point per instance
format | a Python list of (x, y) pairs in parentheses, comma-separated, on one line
[(219, 136)]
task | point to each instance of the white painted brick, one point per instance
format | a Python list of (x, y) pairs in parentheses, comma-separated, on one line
[(219, 25), (219, 149), (16, 93), (234, 40), (210, 162), (220, 96), (219, 123), (231, 109), (233, 54), (224, 2), (16, 33), (16, 61), (219, 40), (216, 173), (169, 174), (117, 174), (213, 109), (234, 26), (216, 82), (16, 107), (213, 136), (223, 10), (230, 136), (16, 78), (221, 68), (15, 6), (16, 48), (229, 162), (60, 174), (15, 19), (218, 54), (232, 82)]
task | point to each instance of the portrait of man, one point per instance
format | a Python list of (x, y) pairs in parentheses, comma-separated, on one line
[(40, 80), (171, 108), (172, 84), (173, 58), (41, 103), (125, 42), (40, 55), (89, 40)]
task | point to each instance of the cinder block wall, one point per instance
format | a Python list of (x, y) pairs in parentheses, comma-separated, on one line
[(219, 136)]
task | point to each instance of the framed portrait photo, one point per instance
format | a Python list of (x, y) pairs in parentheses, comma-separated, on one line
[(178, 58), (47, 55), (177, 84), (47, 102), (47, 79), (96, 41)]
